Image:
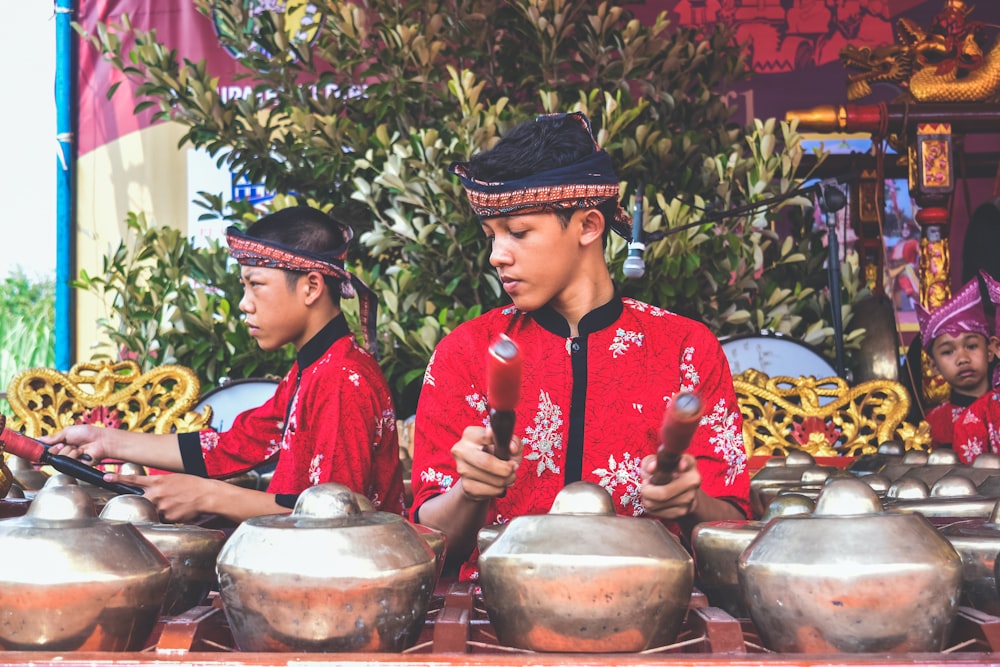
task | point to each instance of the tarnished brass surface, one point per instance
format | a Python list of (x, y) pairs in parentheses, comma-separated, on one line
[(582, 580), (326, 578), (780, 473), (73, 582), (717, 546), (116, 395), (851, 578), (978, 543), (784, 413), (191, 550), (29, 478)]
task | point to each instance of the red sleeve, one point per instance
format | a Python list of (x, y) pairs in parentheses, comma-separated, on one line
[(446, 406), (252, 439), (942, 425), (718, 441)]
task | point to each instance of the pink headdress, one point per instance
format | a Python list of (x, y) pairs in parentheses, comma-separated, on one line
[(993, 289), (962, 313)]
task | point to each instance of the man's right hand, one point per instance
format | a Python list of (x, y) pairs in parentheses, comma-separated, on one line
[(482, 475), (84, 442)]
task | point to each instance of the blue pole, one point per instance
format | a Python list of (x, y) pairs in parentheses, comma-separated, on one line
[(64, 86)]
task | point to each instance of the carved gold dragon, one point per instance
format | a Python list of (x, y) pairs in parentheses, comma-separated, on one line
[(954, 60)]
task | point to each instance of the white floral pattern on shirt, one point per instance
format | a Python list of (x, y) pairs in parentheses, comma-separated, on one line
[(477, 402), (726, 439), (689, 374), (543, 439), (623, 478), (642, 307), (620, 344), (444, 481), (315, 469), (428, 377)]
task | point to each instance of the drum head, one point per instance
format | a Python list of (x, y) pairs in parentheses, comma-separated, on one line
[(775, 354), (234, 397)]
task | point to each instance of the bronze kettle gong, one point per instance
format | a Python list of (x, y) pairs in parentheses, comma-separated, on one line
[(73, 582), (582, 579), (328, 577), (851, 578)]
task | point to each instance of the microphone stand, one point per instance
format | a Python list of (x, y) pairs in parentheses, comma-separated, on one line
[(833, 200)]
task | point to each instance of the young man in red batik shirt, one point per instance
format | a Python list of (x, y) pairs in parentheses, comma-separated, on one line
[(956, 338), (598, 369), (978, 429), (331, 418)]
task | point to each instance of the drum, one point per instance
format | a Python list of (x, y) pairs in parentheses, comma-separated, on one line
[(234, 397), (776, 354)]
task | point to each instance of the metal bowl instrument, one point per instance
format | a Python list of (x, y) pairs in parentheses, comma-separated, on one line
[(978, 542), (717, 546), (328, 577), (191, 550), (851, 578), (581, 579), (73, 582)]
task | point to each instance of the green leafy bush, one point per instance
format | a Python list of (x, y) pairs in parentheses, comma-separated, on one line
[(373, 109), (170, 302), (27, 328)]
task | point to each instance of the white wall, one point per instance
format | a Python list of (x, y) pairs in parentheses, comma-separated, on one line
[(28, 148)]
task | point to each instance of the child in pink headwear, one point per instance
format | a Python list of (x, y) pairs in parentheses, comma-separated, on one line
[(978, 429), (956, 337)]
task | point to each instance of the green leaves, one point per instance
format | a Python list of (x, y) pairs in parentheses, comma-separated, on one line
[(372, 111), (170, 302)]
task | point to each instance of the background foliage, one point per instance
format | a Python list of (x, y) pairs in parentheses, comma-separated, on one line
[(27, 325), (370, 113)]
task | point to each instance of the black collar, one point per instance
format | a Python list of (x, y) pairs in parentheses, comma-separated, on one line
[(318, 345), (597, 319), (961, 400)]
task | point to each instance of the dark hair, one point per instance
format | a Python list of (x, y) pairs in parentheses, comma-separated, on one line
[(308, 229), (534, 146)]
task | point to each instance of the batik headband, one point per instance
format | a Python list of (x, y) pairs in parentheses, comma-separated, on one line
[(993, 289), (584, 184), (962, 313), (251, 251)]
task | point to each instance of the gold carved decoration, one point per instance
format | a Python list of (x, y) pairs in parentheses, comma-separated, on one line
[(783, 413), (954, 59), (114, 395), (935, 270)]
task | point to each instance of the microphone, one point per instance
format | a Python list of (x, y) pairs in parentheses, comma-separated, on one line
[(21, 445), (635, 265)]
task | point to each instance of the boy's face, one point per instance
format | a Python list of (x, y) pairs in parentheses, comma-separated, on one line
[(535, 256), (963, 361), (273, 313)]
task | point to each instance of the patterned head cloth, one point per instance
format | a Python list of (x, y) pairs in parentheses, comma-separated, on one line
[(585, 184), (962, 313), (250, 251), (993, 289)]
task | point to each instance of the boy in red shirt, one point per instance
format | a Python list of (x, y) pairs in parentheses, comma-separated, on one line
[(956, 338), (978, 429), (598, 369), (331, 418)]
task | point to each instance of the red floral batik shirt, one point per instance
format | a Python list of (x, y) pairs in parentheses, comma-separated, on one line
[(590, 406), (943, 416), (978, 430), (331, 419)]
